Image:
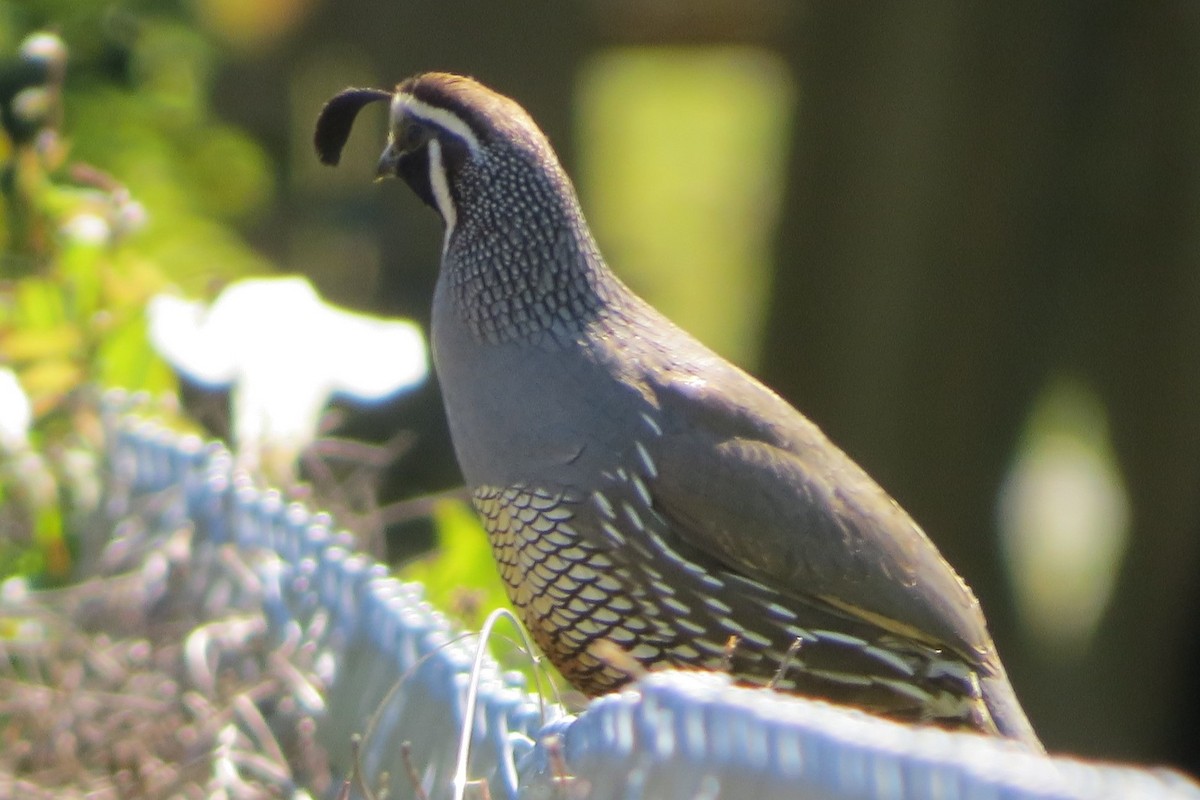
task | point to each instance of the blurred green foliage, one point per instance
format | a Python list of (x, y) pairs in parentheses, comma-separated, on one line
[(461, 576), (690, 177), (461, 579), (117, 181)]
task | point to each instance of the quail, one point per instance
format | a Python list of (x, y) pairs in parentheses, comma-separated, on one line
[(637, 489)]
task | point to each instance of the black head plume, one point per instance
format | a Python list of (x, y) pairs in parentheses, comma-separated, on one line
[(337, 118)]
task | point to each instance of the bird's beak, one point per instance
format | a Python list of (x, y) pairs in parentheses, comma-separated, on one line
[(386, 168)]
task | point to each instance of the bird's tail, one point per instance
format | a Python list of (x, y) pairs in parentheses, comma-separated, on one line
[(1005, 710)]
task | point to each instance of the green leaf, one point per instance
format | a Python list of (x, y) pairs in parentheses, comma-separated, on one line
[(461, 579), (460, 576)]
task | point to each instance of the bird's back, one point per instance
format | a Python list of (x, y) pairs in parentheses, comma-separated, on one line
[(682, 505)]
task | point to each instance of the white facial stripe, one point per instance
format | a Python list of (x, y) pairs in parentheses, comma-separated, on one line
[(407, 104), (441, 189)]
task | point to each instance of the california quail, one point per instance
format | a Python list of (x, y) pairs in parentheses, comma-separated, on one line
[(636, 487)]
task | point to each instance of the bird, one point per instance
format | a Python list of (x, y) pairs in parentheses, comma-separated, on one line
[(639, 491)]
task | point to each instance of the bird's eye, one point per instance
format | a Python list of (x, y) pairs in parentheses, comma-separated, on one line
[(413, 136)]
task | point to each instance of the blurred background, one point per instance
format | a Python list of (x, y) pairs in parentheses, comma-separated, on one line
[(963, 238)]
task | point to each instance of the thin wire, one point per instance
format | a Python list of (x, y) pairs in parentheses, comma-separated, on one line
[(464, 741)]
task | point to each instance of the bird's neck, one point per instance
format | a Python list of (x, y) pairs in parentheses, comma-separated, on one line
[(521, 260)]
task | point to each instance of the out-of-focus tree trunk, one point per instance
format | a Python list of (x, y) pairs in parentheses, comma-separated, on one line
[(981, 195)]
